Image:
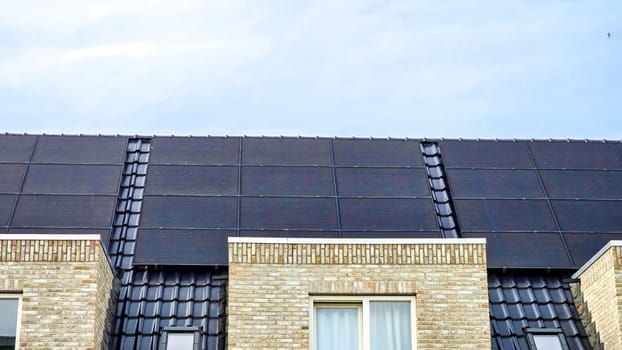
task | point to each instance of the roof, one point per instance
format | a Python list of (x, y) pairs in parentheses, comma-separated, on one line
[(542, 205), (539, 203), (532, 299)]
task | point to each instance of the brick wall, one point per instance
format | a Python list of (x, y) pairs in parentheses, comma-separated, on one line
[(65, 286), (270, 285), (601, 293)]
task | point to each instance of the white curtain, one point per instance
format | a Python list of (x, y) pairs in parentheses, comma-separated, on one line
[(337, 328), (390, 325)]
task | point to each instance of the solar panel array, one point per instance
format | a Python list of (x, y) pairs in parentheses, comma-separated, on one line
[(199, 191), (59, 184), (539, 203)]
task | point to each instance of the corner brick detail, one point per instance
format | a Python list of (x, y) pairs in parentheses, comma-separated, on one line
[(601, 292), (66, 291)]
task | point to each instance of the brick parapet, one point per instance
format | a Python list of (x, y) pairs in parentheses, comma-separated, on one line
[(271, 285), (357, 254)]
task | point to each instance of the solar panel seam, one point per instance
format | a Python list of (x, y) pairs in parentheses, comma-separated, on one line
[(23, 181), (239, 189), (548, 201), (335, 188)]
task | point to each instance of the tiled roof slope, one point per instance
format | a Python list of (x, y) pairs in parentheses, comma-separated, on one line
[(535, 300), (158, 298)]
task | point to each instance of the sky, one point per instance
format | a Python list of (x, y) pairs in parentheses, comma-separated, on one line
[(461, 68)]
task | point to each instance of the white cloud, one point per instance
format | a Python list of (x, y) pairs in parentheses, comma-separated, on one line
[(388, 64)]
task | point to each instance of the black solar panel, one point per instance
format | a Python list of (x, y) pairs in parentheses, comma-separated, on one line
[(365, 152), (182, 247), (589, 216), (195, 150), (286, 151), (16, 148), (81, 179), (279, 181), (584, 184), (7, 202), (494, 183), (391, 234), (289, 233), (288, 213), (382, 182), (189, 212), (583, 246), (580, 155), (64, 211), (504, 215), (485, 154), (388, 214), (11, 176), (196, 180), (524, 249), (80, 149)]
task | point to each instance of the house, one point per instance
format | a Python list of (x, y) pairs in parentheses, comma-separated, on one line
[(132, 242)]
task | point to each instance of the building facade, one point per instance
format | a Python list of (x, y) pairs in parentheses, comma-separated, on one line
[(121, 242)]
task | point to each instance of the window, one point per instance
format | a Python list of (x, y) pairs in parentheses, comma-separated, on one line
[(362, 323), (180, 338), (10, 305), (546, 339)]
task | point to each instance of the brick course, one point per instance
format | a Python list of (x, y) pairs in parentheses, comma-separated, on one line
[(270, 286), (65, 287)]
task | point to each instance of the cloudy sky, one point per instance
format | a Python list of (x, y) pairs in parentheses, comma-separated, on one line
[(541, 69)]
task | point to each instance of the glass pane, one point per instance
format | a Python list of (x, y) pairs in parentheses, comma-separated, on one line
[(287, 181), (289, 213), (485, 154), (337, 328), (192, 180), (589, 216), (547, 342), (16, 148), (286, 151), (80, 149), (582, 184), (365, 152), (8, 323), (179, 247), (64, 211), (382, 182), (577, 155), (64, 179), (494, 183), (504, 215), (189, 212), (388, 214), (390, 325), (180, 341), (11, 177), (195, 150)]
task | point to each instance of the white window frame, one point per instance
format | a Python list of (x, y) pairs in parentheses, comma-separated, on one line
[(165, 331), (362, 303), (531, 332), (19, 313)]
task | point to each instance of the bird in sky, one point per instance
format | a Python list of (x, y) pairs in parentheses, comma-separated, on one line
[(608, 35)]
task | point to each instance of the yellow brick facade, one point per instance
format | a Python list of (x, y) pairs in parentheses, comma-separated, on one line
[(601, 291), (270, 285), (65, 287)]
